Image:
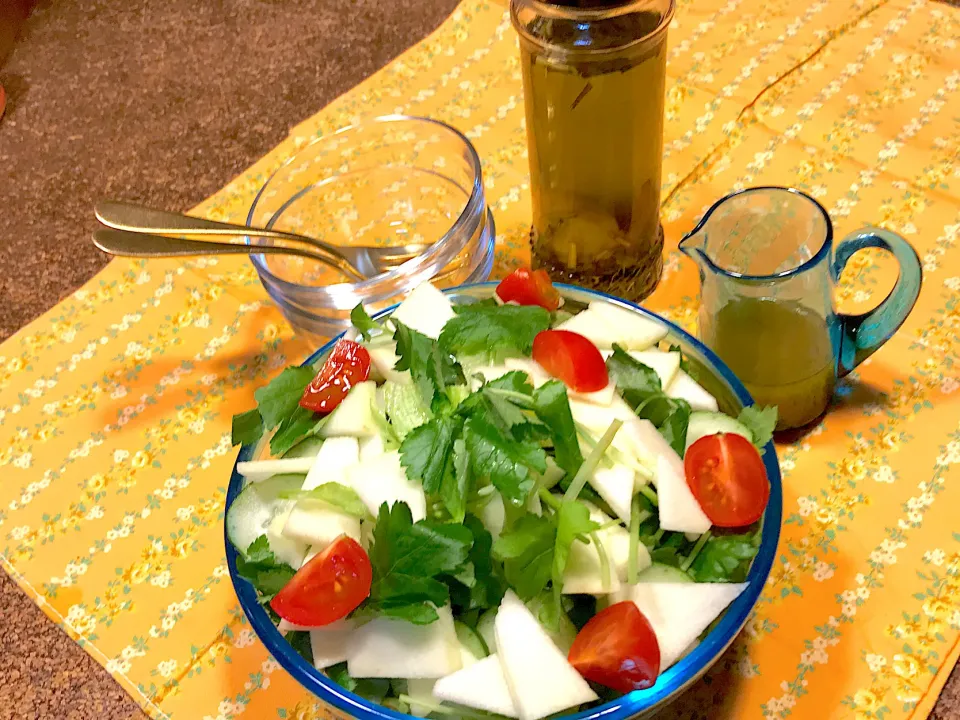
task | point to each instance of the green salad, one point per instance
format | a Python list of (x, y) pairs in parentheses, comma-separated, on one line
[(499, 508)]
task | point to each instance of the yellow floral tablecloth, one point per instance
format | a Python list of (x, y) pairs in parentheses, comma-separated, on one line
[(115, 406)]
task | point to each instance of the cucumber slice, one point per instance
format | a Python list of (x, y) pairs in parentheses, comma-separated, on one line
[(711, 423), (306, 448), (658, 573), (256, 511), (485, 629), (471, 640)]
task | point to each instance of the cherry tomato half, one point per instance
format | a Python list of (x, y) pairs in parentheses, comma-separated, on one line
[(618, 649), (347, 365), (529, 287), (726, 475), (572, 358), (328, 587)]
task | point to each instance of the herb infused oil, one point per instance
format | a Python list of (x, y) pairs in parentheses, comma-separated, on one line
[(594, 75)]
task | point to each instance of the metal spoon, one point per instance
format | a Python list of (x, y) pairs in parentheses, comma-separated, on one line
[(357, 261), (131, 244)]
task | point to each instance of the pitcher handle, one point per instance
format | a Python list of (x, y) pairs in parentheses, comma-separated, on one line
[(862, 335)]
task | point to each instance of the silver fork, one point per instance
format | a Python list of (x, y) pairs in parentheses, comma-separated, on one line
[(358, 261)]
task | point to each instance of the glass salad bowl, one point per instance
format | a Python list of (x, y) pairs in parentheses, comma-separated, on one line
[(731, 397)]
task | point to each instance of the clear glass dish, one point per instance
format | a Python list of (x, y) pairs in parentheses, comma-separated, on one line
[(392, 180), (731, 395)]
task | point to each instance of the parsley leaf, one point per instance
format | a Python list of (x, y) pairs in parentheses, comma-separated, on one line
[(428, 454), (341, 497), (246, 428), (406, 558), (573, 523), (635, 381), (761, 423), (553, 408), (432, 369), (454, 491), (362, 322), (299, 424), (488, 588), (260, 566), (505, 461), (526, 551), (281, 397), (499, 330), (373, 689), (300, 641), (725, 558)]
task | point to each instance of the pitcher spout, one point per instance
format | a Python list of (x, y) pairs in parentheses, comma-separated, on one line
[(692, 245)]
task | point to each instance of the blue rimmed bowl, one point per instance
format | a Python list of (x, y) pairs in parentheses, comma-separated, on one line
[(731, 395)]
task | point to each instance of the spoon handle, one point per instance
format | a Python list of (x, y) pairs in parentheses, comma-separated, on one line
[(137, 218), (130, 244)]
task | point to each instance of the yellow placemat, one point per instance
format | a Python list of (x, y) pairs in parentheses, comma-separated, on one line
[(115, 407)]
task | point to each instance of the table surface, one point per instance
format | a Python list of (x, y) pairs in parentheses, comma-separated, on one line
[(160, 102)]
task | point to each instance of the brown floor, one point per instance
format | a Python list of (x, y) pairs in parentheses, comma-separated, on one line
[(163, 102)]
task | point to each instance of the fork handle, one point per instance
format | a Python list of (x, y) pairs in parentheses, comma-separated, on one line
[(130, 244), (140, 219)]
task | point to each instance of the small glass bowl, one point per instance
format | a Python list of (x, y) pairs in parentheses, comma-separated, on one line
[(392, 180)]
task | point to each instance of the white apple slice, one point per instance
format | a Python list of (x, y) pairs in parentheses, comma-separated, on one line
[(288, 550), (686, 388), (318, 524), (425, 309), (259, 470), (678, 509), (384, 480), (593, 327), (371, 447), (394, 648), (336, 455), (540, 680), (354, 415), (329, 643), (616, 486), (383, 359), (633, 331), (482, 686), (679, 612)]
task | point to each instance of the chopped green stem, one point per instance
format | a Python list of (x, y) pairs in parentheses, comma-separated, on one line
[(650, 495), (591, 463), (524, 401), (635, 520), (604, 560), (657, 536), (609, 524), (549, 499), (701, 541)]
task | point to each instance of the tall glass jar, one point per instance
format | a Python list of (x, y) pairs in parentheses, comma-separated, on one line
[(593, 77)]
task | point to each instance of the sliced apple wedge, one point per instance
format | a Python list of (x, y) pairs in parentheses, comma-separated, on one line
[(392, 648), (686, 388), (335, 456), (259, 470), (679, 612), (425, 310), (383, 480), (616, 486), (540, 680), (482, 686), (329, 643), (678, 508), (354, 415)]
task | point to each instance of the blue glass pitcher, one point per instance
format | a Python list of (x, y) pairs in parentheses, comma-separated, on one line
[(768, 266)]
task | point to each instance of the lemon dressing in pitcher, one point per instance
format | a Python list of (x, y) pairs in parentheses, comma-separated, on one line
[(767, 271)]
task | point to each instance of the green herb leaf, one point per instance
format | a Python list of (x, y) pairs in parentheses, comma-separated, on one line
[(684, 362), (246, 428), (455, 490), (333, 493), (300, 641), (635, 381), (432, 369), (373, 689), (299, 424), (498, 331), (761, 423), (509, 395), (406, 558), (260, 566), (671, 417), (573, 525), (281, 397), (362, 322), (526, 551), (488, 587), (505, 461), (427, 452), (553, 408), (726, 558)]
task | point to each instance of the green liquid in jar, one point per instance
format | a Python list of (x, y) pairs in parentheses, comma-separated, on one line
[(595, 129), (780, 350)]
